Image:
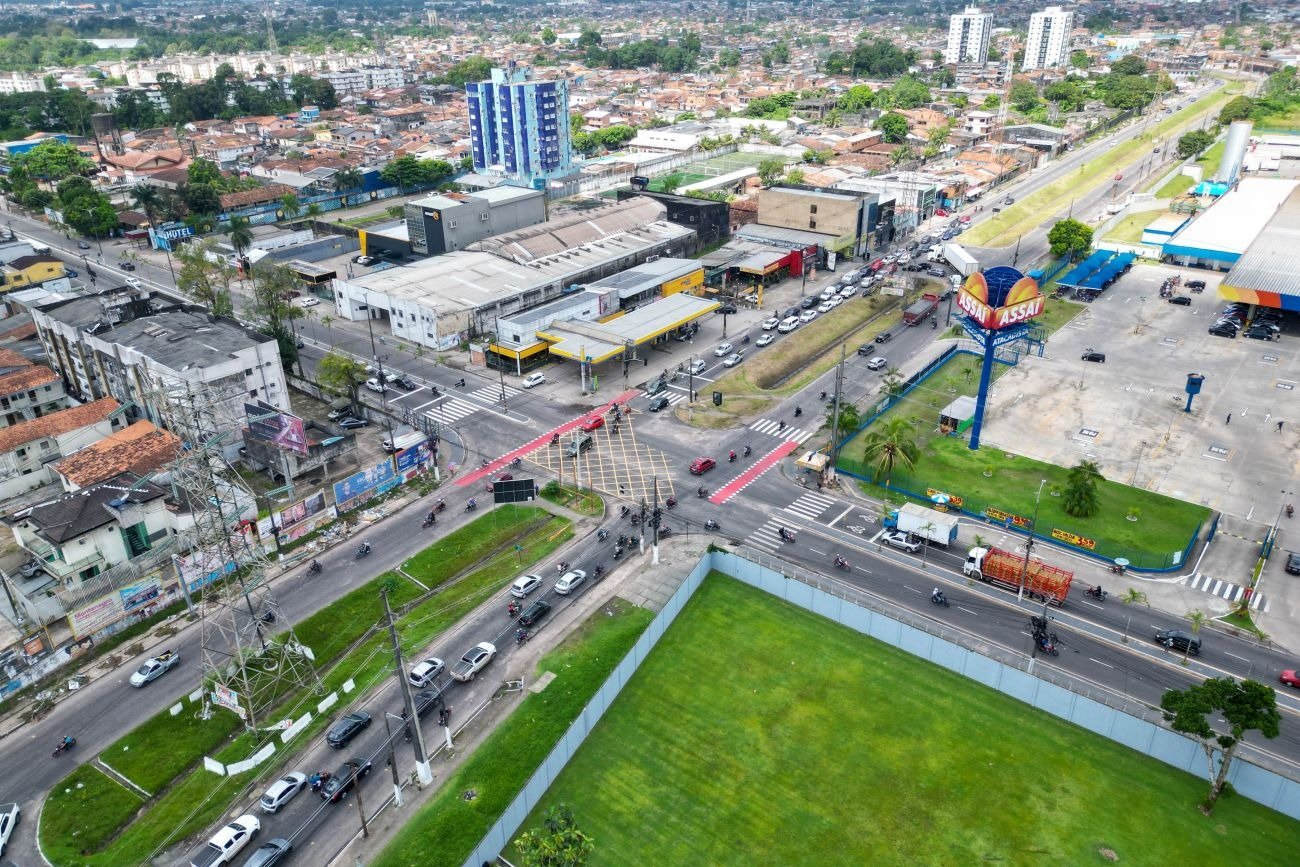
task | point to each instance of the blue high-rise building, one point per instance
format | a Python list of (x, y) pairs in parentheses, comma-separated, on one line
[(519, 128)]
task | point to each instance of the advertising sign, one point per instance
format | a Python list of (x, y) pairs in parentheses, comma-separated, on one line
[(281, 429), (139, 594), (409, 459), (227, 698), (365, 484), (1000, 297), (102, 612)]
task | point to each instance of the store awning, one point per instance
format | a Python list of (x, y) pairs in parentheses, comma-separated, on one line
[(762, 263)]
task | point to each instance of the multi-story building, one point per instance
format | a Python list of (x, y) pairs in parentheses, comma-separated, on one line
[(968, 36), (451, 221), (519, 128), (28, 449), (27, 391), (18, 82), (1048, 43), (351, 82)]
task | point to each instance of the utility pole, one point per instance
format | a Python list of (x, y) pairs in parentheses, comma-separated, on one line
[(829, 475), (422, 769), (392, 757), (356, 787), (1029, 543), (640, 525)]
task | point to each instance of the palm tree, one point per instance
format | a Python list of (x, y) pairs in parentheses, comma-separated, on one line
[(241, 237), (312, 213), (347, 179), (148, 199), (1197, 619), (290, 205), (1132, 596), (890, 444)]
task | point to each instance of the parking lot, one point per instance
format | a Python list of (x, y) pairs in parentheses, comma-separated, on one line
[(1126, 413)]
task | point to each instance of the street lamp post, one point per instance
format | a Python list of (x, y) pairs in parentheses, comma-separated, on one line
[(1029, 542)]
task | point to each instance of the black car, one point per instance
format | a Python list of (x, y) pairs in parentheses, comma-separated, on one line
[(534, 613), (427, 699), (1223, 331), (1099, 357), (728, 309), (866, 349), (344, 779), (658, 403), (884, 337), (792, 311), (1293, 563), (347, 728), (1181, 301), (349, 422), (269, 853), (404, 382), (1177, 639), (126, 266), (1260, 334), (655, 386), (1195, 284), (810, 302)]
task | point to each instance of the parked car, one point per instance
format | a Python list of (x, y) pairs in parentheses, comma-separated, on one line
[(375, 385), (790, 323), (657, 403), (525, 584), (308, 302), (347, 728), (884, 337), (877, 363), (1260, 334), (1292, 563), (733, 359), (350, 422), (425, 673), (364, 260), (1092, 355), (766, 339), (1195, 284), (282, 791), (727, 309), (534, 613), (1223, 331), (271, 852), (9, 814), (82, 245), (344, 779), (723, 349), (901, 540), (126, 266), (570, 581), (702, 465), (1181, 300), (533, 380), (1288, 677), (592, 422), (1178, 639)]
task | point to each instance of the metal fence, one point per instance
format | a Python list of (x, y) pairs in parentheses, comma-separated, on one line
[(1112, 715)]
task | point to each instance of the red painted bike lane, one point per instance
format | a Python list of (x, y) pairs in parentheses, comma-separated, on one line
[(545, 439), (762, 465)]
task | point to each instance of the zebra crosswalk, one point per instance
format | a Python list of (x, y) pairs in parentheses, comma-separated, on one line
[(810, 505), (492, 393), (452, 410), (773, 428), (1226, 590), (767, 537)]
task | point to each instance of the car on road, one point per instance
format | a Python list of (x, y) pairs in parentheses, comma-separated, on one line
[(364, 260), (1092, 355), (307, 302), (770, 323), (807, 316), (133, 282), (425, 672), (1008, 201), (344, 779), (82, 245), (825, 307), (473, 661), (766, 339), (788, 324), (282, 791), (935, 271), (828, 293), (697, 366), (733, 359), (947, 235), (570, 581), (426, 699), (723, 350), (866, 349), (591, 423), (534, 613), (655, 386), (525, 584), (809, 302), (533, 380), (727, 309), (226, 843), (1181, 300), (1292, 563), (155, 667), (270, 853), (848, 292), (347, 728), (351, 422), (902, 540), (375, 385), (657, 403), (877, 363), (1178, 639), (404, 382), (702, 465), (1288, 677), (884, 337), (9, 814), (126, 266)]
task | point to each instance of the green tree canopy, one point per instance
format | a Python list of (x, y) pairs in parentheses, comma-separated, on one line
[(1080, 495), (888, 445), (1191, 144), (1129, 65), (893, 126), (558, 843), (339, 374), (53, 161), (1024, 97), (1237, 108)]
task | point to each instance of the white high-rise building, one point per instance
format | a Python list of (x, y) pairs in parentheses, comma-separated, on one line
[(1048, 45), (968, 36)]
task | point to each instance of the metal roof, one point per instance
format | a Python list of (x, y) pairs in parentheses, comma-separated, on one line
[(1233, 223), (600, 341), (1266, 274)]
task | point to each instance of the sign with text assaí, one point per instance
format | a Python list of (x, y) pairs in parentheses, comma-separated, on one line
[(996, 308)]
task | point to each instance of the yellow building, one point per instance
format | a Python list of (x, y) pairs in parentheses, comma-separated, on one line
[(30, 270)]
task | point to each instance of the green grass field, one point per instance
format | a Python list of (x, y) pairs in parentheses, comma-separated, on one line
[(757, 733), (1209, 163), (1129, 230)]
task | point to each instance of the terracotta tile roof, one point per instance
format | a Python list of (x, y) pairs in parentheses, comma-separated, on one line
[(9, 359), (25, 378), (139, 449), (56, 423), (268, 193)]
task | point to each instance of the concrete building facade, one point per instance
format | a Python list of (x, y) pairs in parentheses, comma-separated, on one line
[(445, 222), (1048, 43), (519, 128), (968, 37)]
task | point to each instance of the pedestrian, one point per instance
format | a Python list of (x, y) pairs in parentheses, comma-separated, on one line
[(1228, 420), (1279, 426)]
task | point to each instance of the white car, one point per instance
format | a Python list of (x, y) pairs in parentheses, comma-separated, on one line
[(524, 585), (307, 301), (766, 339), (282, 791), (133, 282), (374, 384), (829, 293), (570, 581), (835, 302), (788, 324), (733, 359), (902, 541), (905, 258), (697, 366), (226, 843), (770, 323), (533, 379), (825, 307), (848, 291), (723, 349), (807, 316), (8, 820), (423, 674), (876, 363)]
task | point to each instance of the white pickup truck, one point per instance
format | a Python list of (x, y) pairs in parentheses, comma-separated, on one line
[(155, 667), (473, 661)]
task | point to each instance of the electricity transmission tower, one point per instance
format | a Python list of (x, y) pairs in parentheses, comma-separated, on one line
[(250, 654)]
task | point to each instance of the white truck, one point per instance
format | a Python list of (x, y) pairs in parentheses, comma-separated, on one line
[(473, 661), (939, 528), (155, 667), (956, 256)]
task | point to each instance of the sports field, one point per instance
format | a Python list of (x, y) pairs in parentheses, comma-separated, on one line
[(757, 733)]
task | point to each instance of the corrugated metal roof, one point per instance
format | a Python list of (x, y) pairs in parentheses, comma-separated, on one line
[(1236, 220), (1269, 264)]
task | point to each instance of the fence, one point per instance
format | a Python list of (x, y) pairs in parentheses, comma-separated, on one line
[(1133, 724)]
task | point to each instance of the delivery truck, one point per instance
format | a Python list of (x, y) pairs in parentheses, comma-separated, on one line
[(956, 256), (921, 310), (939, 528), (1042, 582)]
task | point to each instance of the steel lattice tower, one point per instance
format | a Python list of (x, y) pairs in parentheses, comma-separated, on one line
[(248, 646)]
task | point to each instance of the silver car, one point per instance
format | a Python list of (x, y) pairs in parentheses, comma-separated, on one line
[(282, 791)]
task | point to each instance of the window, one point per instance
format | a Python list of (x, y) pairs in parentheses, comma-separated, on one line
[(451, 224), (136, 539), (248, 371), (812, 209), (812, 224), (253, 393)]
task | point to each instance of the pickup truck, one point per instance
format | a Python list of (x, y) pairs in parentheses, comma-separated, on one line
[(155, 667), (473, 661), (226, 843)]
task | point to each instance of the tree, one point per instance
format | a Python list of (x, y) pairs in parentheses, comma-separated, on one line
[(92, 215), (855, 99), (1024, 97), (1129, 65), (269, 306), (290, 205), (1245, 706), (53, 161), (991, 102), (201, 198), (888, 445), (794, 176), (1070, 236), (1067, 94), (147, 199), (893, 126), (548, 36), (589, 38), (1191, 144), (901, 154), (769, 170), (346, 180), (1197, 619), (1079, 59), (558, 843), (1080, 495), (1132, 596), (403, 172), (907, 92), (241, 237), (849, 418), (203, 171), (670, 183), (340, 375), (1237, 108), (204, 280)]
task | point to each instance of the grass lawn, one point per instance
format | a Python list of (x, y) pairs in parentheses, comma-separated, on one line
[(1129, 230), (1039, 207), (1209, 163), (825, 747), (583, 502), (1288, 122), (84, 805), (1175, 187), (445, 830)]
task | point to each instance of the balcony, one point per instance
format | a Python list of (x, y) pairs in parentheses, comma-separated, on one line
[(51, 560)]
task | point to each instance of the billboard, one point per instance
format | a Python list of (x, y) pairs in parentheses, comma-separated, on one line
[(412, 458), (365, 484), (271, 425), (1000, 297)]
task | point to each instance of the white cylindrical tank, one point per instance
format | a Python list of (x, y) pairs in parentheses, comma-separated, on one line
[(1234, 151)]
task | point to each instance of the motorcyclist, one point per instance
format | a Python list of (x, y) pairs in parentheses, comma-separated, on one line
[(701, 491), (748, 451), (433, 516), (68, 741), (315, 566), (731, 457), (937, 596), (365, 546), (798, 411), (472, 503)]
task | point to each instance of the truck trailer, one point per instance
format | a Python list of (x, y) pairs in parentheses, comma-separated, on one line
[(922, 309), (958, 258), (939, 528), (1043, 582)]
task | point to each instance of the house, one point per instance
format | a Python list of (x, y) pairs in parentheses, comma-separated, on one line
[(922, 120), (29, 271), (139, 450), (27, 390), (978, 123), (260, 196), (138, 164), (227, 150), (28, 448)]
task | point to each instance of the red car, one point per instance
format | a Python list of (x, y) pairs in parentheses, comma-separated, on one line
[(940, 212), (590, 424), (504, 477), (877, 265), (700, 466), (1290, 678)]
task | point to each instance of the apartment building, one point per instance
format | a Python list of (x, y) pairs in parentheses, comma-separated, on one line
[(1048, 43), (519, 127), (968, 37)]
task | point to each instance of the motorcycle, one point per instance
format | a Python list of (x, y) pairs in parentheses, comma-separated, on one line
[(623, 541), (665, 532), (938, 598), (748, 451), (1117, 568), (635, 520), (712, 525), (598, 571), (561, 567), (64, 746), (429, 520), (798, 411), (618, 551), (602, 534), (471, 504), (786, 535), (841, 563), (555, 439), (521, 635), (460, 383), (483, 463), (440, 505), (1290, 510), (516, 463), (362, 550), (731, 458), (512, 609), (1096, 593), (314, 568), (701, 492), (934, 323), (624, 512), (670, 502), (268, 617), (1047, 644), (746, 339)]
